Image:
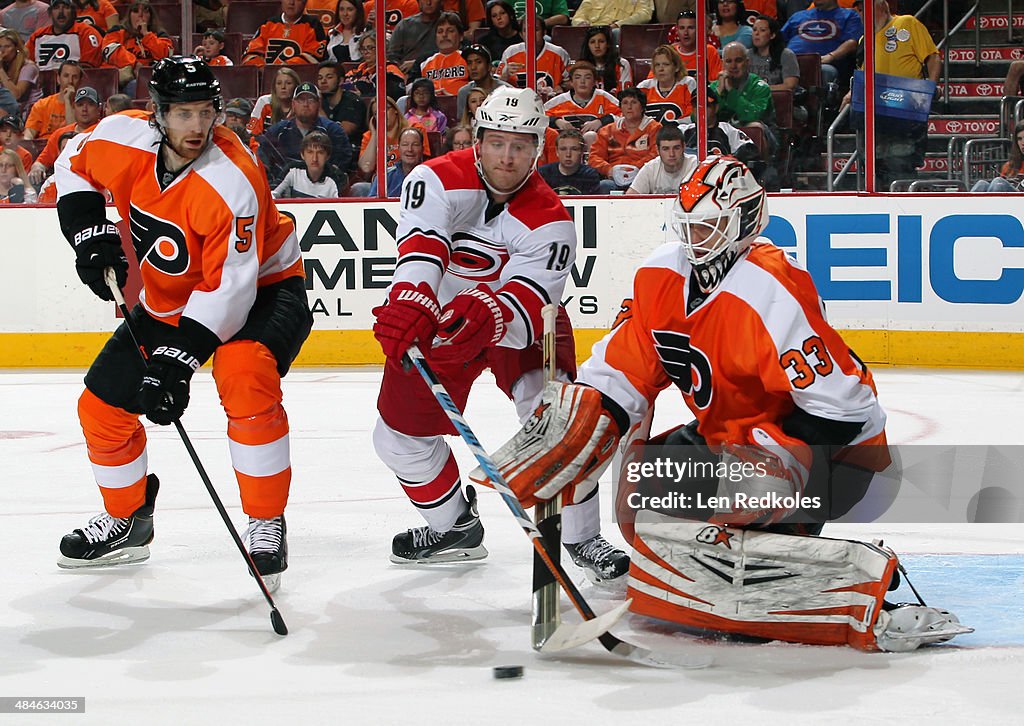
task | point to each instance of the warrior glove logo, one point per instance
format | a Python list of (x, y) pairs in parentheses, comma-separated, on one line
[(158, 242)]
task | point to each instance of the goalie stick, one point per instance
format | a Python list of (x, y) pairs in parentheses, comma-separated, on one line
[(275, 615), (548, 516), (567, 635)]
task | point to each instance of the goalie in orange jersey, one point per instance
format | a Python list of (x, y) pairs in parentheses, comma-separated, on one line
[(789, 433), (222, 276)]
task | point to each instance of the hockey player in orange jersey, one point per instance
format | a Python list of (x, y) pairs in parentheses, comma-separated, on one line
[(222, 276), (784, 410)]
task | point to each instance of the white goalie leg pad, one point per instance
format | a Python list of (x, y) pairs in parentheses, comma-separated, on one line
[(798, 589)]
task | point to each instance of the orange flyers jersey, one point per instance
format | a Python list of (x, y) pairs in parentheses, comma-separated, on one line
[(474, 10), (714, 62), (564, 105), (326, 11), (675, 105), (81, 43), (395, 11), (208, 240), (551, 64), (97, 17), (452, 237), (448, 72), (277, 42), (120, 43), (220, 60), (749, 353), (615, 144), (48, 156)]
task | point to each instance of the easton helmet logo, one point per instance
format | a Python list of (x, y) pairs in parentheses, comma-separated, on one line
[(158, 242)]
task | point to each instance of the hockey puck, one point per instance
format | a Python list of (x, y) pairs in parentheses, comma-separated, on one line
[(502, 672)]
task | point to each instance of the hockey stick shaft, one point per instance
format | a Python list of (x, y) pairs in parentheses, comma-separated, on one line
[(275, 615)]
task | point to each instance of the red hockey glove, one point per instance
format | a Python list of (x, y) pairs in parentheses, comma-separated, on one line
[(472, 321), (410, 316)]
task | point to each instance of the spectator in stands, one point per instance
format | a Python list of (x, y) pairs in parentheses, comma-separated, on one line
[(282, 143), (340, 104), (138, 40), (410, 155), (478, 65), (210, 14), (211, 49), (19, 77), (473, 100), (664, 173), (667, 11), (48, 191), (343, 38), (326, 11), (310, 180), (831, 32), (613, 71), (446, 68), (729, 24), (422, 107), (552, 12), (25, 17), (1011, 176), (470, 12), (585, 107), (10, 138), (87, 112), (613, 13), (294, 37), (723, 138), (395, 125), (65, 38), (395, 11), (14, 187), (686, 44), (457, 138), (100, 14), (237, 113), (118, 102), (745, 99), (416, 36), (1014, 83), (771, 60), (626, 144), (275, 106), (670, 91), (569, 176), (504, 28), (364, 77), (50, 113), (552, 62)]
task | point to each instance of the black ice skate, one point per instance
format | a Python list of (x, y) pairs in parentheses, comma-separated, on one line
[(464, 542), (599, 559), (267, 542), (108, 540)]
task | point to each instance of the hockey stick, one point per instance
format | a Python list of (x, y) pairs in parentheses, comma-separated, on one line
[(567, 636), (548, 516), (275, 615)]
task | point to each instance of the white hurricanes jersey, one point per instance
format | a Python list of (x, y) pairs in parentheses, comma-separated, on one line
[(451, 236)]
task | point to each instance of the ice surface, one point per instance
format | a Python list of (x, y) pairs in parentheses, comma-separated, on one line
[(186, 639)]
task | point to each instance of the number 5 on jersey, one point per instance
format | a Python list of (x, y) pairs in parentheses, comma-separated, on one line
[(243, 231)]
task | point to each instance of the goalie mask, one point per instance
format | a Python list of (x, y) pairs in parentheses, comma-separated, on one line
[(517, 111), (719, 211)]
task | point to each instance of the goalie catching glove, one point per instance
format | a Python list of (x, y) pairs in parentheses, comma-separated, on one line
[(563, 447)]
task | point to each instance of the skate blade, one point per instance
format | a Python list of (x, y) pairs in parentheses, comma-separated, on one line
[(125, 556), (468, 555), (272, 582), (573, 635)]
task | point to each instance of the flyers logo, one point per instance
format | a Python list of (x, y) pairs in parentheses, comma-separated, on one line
[(280, 50), (53, 54), (158, 242), (476, 259), (688, 367), (624, 314), (392, 18)]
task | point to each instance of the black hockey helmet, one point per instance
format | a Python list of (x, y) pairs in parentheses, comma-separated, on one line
[(183, 79)]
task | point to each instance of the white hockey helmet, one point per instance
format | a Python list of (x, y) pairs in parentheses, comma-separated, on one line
[(517, 110), (719, 211)]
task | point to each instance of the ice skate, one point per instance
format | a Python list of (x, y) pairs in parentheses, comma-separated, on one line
[(462, 543), (108, 540), (907, 627), (267, 543), (602, 562)]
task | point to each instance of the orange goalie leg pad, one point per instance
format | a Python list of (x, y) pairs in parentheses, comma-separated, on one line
[(250, 392), (116, 443)]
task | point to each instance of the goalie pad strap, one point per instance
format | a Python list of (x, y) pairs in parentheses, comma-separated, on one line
[(747, 582)]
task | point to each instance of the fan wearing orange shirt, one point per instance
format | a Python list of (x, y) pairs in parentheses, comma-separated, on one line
[(222, 276), (586, 107), (446, 68), (292, 37), (65, 38)]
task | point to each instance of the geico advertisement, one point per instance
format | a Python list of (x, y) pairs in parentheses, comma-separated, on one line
[(951, 263)]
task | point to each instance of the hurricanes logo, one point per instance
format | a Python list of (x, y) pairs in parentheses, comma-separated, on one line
[(280, 50), (158, 242), (53, 54), (476, 259), (688, 367)]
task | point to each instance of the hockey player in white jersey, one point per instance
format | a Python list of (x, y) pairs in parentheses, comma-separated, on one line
[(483, 245)]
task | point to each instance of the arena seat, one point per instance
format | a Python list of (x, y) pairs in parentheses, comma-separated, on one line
[(104, 80), (247, 17), (639, 41), (569, 37)]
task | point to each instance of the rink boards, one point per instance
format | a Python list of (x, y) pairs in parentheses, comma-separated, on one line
[(931, 280)]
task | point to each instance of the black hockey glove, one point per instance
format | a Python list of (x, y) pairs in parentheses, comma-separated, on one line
[(98, 247), (163, 395)]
